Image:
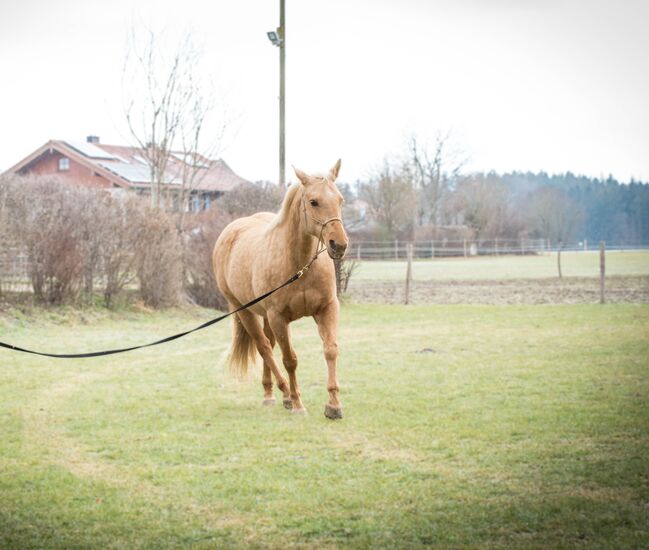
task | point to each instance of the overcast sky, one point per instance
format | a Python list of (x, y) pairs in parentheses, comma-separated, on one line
[(550, 85)]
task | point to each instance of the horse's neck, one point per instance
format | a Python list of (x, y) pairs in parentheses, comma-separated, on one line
[(299, 247)]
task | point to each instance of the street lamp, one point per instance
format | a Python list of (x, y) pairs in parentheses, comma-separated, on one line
[(273, 36), (278, 38)]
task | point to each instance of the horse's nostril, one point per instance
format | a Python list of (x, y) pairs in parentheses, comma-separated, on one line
[(332, 244)]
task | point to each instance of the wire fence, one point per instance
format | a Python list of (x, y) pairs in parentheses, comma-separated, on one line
[(447, 248), (456, 271), (483, 273)]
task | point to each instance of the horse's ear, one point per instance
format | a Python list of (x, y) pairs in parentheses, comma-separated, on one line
[(334, 171), (304, 179)]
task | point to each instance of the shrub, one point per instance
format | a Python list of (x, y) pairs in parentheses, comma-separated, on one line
[(198, 242), (42, 215), (74, 236), (344, 271), (159, 258)]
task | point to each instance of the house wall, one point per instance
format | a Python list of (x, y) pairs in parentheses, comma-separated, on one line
[(48, 164)]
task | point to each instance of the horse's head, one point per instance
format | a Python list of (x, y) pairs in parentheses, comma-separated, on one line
[(322, 205)]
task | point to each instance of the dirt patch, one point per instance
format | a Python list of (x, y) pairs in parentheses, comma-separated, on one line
[(569, 290)]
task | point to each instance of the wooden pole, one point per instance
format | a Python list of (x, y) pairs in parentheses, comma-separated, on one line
[(408, 272), (602, 271), (559, 259), (464, 244), (396, 249), (282, 95)]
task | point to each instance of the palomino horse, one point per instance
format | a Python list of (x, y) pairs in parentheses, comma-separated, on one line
[(257, 253)]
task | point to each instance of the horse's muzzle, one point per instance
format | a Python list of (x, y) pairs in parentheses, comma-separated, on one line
[(335, 250)]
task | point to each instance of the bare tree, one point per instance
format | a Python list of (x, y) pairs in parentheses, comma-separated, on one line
[(391, 199), (480, 201), (167, 107), (555, 216), (198, 150), (247, 198), (434, 169)]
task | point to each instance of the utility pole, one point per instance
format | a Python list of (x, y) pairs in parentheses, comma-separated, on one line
[(282, 95), (278, 38)]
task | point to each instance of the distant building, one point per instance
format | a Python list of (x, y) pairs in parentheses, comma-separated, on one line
[(119, 169)]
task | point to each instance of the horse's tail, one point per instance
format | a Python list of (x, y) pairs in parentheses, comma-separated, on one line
[(242, 349)]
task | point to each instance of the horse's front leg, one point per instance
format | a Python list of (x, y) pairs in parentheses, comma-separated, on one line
[(279, 326), (327, 320)]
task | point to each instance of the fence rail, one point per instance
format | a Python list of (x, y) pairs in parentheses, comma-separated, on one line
[(14, 270), (445, 248), (15, 266)]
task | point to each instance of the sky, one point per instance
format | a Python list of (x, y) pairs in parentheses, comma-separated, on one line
[(553, 85)]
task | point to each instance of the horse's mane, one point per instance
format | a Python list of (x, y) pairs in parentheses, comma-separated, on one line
[(284, 214)]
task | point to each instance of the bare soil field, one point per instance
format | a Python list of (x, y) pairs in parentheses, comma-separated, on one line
[(568, 290)]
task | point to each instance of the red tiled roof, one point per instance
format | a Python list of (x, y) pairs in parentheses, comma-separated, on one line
[(126, 166)]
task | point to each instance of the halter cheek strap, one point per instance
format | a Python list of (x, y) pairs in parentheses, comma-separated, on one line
[(322, 225)]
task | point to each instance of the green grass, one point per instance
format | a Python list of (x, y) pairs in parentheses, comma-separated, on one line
[(574, 264), (465, 426)]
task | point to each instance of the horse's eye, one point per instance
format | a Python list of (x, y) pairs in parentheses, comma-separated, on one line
[(313, 202)]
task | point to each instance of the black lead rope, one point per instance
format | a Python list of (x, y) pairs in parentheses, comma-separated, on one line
[(168, 338), (204, 325)]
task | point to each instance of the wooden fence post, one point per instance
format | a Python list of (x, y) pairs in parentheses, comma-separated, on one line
[(432, 249), (602, 271), (464, 244), (408, 272), (396, 249), (358, 252)]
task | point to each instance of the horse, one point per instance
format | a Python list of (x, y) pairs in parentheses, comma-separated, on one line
[(257, 253)]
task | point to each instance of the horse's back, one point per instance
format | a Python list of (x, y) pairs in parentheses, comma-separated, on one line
[(237, 246)]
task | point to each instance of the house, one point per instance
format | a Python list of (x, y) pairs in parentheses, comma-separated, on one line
[(119, 169)]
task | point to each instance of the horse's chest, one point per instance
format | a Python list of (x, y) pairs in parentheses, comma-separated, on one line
[(306, 302)]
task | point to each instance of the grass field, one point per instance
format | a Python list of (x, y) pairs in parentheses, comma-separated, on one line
[(465, 426), (574, 264)]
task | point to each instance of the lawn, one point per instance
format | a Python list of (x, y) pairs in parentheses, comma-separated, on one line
[(465, 426), (574, 264)]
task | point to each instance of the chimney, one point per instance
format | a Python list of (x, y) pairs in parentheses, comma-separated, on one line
[(92, 139)]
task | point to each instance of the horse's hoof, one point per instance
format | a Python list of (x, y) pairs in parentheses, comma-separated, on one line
[(334, 413), (288, 404), (268, 401), (301, 411)]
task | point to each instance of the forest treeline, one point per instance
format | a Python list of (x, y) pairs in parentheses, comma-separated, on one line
[(426, 194), (607, 209)]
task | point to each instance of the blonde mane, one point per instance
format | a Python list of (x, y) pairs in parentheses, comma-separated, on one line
[(284, 214)]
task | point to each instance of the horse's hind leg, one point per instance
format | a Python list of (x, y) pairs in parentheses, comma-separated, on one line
[(253, 326)]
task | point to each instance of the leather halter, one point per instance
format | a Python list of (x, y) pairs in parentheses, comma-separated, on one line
[(322, 225), (316, 220)]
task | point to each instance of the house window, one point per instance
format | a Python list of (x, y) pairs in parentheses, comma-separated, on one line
[(207, 202), (197, 203), (64, 164)]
